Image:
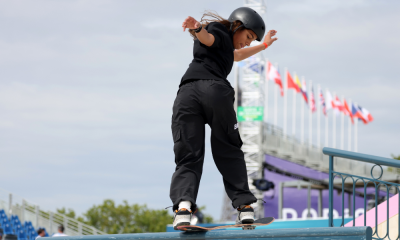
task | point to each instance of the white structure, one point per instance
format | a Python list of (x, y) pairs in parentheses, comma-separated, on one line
[(251, 94), (27, 211)]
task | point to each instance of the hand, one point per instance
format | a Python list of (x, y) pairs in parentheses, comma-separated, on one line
[(268, 38), (190, 23)]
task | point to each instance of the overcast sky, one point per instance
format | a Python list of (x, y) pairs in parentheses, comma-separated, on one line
[(87, 87)]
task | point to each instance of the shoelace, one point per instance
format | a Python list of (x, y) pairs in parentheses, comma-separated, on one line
[(248, 206)]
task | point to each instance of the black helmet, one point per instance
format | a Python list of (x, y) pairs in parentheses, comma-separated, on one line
[(250, 19)]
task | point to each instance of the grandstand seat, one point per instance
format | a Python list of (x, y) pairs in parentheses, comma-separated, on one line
[(32, 235), (15, 222), (3, 216), (17, 228), (2, 211), (7, 229), (4, 221), (21, 234)]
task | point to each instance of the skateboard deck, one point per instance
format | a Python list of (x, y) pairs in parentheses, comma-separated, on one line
[(248, 226)]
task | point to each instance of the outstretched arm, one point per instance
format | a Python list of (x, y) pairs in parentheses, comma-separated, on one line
[(244, 53), (203, 36)]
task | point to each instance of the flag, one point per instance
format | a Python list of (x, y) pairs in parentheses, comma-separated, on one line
[(257, 67), (328, 100), (367, 116), (297, 81), (322, 102), (337, 105), (348, 112), (357, 113), (304, 91), (312, 101), (291, 83), (273, 75)]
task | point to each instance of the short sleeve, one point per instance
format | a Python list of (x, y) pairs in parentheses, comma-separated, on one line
[(219, 31)]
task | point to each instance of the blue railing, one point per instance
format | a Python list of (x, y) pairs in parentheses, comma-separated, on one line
[(364, 182)]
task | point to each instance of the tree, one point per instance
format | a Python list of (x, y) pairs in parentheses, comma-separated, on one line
[(71, 214), (126, 218), (396, 157)]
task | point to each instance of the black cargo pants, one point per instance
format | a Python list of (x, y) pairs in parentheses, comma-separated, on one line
[(207, 102)]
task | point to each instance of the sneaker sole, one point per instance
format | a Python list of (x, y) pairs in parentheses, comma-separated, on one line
[(247, 221), (181, 224)]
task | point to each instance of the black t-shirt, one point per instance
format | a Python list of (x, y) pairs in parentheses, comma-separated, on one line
[(214, 62)]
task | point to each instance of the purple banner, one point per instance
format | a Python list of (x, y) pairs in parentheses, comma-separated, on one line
[(295, 200)]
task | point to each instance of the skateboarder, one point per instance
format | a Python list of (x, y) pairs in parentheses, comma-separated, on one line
[(206, 97)]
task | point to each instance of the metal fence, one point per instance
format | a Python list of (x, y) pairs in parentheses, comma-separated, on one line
[(29, 211), (381, 223)]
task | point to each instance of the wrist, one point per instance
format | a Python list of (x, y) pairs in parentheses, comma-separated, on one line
[(197, 30), (266, 45)]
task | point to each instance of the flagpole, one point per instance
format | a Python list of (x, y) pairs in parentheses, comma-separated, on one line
[(349, 130), (319, 118), (302, 120), (294, 113), (285, 83), (276, 102), (355, 134), (266, 94), (342, 127), (310, 115), (334, 124), (326, 121)]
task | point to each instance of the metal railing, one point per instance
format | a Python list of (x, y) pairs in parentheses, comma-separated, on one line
[(28, 211), (287, 147), (360, 182)]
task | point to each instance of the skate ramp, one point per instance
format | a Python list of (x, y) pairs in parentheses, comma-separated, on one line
[(382, 220), (354, 233)]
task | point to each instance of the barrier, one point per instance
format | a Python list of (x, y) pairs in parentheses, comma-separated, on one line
[(354, 233), (364, 182)]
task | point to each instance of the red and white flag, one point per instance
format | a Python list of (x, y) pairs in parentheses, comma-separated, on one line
[(337, 105), (273, 75)]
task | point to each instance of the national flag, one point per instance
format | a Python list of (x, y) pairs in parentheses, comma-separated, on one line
[(357, 113), (297, 81), (257, 67), (273, 75), (328, 100), (337, 105), (322, 102), (348, 112), (312, 101), (304, 91), (367, 116), (291, 83)]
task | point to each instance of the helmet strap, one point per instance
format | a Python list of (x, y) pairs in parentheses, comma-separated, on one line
[(236, 28)]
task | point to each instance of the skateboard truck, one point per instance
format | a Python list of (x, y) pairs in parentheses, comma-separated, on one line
[(249, 227)]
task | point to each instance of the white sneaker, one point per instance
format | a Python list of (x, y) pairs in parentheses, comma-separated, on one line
[(182, 218), (245, 215)]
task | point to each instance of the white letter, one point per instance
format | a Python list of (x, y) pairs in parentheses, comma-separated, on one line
[(325, 213), (313, 213), (291, 211)]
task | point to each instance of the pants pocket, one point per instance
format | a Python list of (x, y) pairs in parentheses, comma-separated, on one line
[(234, 138), (180, 148)]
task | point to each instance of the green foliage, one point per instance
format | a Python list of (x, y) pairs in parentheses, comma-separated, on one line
[(396, 157), (206, 217), (71, 214), (126, 218)]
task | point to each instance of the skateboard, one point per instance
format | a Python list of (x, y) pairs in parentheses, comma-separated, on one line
[(248, 226)]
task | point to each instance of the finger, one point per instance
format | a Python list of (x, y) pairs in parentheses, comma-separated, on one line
[(274, 39)]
